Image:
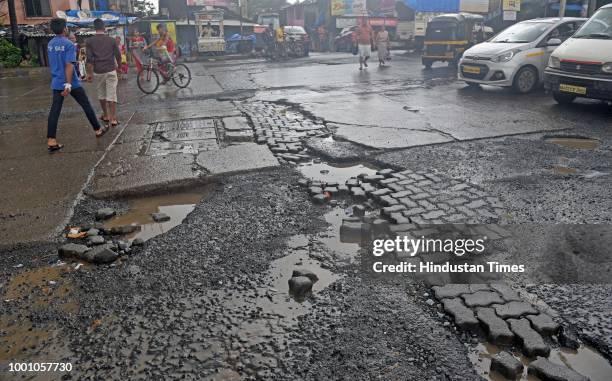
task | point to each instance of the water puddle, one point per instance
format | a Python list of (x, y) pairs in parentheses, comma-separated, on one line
[(333, 173), (585, 361), (575, 143), (176, 206), (562, 170), (344, 248)]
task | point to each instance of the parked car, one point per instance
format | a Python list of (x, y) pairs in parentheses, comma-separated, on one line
[(582, 65), (518, 55), (298, 42)]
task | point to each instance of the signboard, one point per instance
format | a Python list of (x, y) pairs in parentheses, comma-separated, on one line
[(201, 3), (474, 6), (510, 15), (348, 7), (170, 27), (511, 5)]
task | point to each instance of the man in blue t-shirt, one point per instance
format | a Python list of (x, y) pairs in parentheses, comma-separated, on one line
[(64, 81)]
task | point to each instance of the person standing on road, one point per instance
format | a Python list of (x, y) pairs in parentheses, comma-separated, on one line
[(382, 45), (104, 65), (64, 81), (364, 42)]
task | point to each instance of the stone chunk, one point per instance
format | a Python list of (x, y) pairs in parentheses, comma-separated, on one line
[(101, 254), (305, 272), (95, 240), (300, 285), (359, 210), (568, 339), (533, 344), (358, 194), (481, 299), (123, 229), (514, 310), (506, 292), (544, 324), (315, 190), (105, 214), (546, 370), (93, 232), (160, 217), (331, 190), (496, 328), (72, 250), (464, 317), (351, 231), (506, 365)]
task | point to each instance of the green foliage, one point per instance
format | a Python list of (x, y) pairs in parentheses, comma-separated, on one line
[(10, 55)]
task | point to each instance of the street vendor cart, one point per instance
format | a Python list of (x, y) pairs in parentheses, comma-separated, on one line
[(211, 39)]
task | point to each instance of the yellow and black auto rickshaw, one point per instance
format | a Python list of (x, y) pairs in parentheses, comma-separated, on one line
[(448, 36)]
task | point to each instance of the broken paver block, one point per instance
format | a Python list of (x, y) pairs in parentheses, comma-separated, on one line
[(160, 217), (373, 178), (385, 172), (514, 310), (101, 254), (358, 194), (546, 370), (381, 192), (496, 327), (105, 213), (388, 201), (568, 339), (544, 324), (388, 181), (351, 231), (305, 272), (352, 182), (343, 189), (506, 365), (359, 210), (482, 299), (386, 211), (453, 290), (300, 285), (506, 292), (368, 188), (315, 190), (72, 250), (533, 344), (464, 317), (331, 190), (398, 218)]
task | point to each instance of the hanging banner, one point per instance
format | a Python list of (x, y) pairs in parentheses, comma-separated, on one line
[(512, 5), (348, 7), (474, 6)]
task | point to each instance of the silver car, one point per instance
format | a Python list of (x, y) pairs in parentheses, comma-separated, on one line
[(518, 55)]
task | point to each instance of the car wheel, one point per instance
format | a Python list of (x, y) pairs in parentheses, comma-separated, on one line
[(563, 99), (473, 85), (427, 64), (526, 80)]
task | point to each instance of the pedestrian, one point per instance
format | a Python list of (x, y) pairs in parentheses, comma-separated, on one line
[(124, 64), (382, 45), (62, 60), (104, 65), (364, 42)]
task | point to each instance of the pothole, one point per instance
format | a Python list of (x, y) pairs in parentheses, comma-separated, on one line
[(562, 170), (327, 173), (176, 206), (585, 360), (574, 142)]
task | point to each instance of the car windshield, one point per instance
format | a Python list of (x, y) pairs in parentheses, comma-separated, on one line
[(597, 27), (294, 30), (522, 32)]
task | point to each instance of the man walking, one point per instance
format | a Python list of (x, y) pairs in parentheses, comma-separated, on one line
[(364, 42), (104, 61), (64, 81)]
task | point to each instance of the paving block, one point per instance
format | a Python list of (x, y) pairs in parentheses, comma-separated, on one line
[(387, 172), (506, 292), (514, 310), (532, 343), (482, 299), (464, 317), (381, 192), (398, 218), (358, 194), (544, 324), (386, 211), (496, 327), (388, 201), (453, 290), (546, 370), (506, 365), (373, 178)]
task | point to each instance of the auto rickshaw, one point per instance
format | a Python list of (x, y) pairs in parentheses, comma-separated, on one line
[(449, 35)]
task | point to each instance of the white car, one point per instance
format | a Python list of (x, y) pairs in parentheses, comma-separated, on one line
[(582, 65), (518, 55)]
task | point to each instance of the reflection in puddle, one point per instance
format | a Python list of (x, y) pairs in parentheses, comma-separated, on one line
[(585, 361), (177, 206), (338, 173), (561, 170), (575, 143), (345, 248)]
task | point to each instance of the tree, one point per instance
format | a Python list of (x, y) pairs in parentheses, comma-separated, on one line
[(256, 7), (144, 7)]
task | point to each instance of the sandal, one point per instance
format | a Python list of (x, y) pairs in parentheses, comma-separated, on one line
[(114, 123), (102, 131), (105, 120), (54, 148)]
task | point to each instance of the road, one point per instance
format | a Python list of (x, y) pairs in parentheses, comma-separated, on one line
[(206, 296)]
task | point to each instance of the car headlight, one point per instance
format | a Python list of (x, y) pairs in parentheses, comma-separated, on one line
[(554, 62), (507, 56), (607, 67)]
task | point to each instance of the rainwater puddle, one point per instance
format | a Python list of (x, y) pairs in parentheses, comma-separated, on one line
[(333, 173), (575, 143), (561, 170), (344, 247), (176, 205), (585, 361)]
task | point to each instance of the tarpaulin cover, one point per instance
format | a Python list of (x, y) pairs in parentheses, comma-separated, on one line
[(116, 19), (433, 5)]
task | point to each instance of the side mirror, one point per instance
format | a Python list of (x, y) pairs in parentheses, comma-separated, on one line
[(553, 42)]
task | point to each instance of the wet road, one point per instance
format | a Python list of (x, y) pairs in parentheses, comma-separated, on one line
[(206, 296)]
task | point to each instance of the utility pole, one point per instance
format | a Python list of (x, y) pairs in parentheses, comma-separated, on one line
[(562, 4), (592, 7), (13, 21)]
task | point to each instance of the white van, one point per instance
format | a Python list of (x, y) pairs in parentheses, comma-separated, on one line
[(582, 65)]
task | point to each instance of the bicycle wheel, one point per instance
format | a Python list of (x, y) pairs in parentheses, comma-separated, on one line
[(181, 76), (148, 80)]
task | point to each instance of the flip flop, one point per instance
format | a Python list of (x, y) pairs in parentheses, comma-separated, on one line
[(55, 148), (105, 120), (115, 123), (103, 130)]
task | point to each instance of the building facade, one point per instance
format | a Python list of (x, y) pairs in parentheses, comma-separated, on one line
[(39, 11)]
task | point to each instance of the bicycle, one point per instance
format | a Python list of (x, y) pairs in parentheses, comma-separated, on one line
[(148, 76)]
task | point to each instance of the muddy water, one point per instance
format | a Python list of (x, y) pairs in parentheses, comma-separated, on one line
[(585, 361), (575, 143), (176, 205), (562, 170), (327, 173)]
